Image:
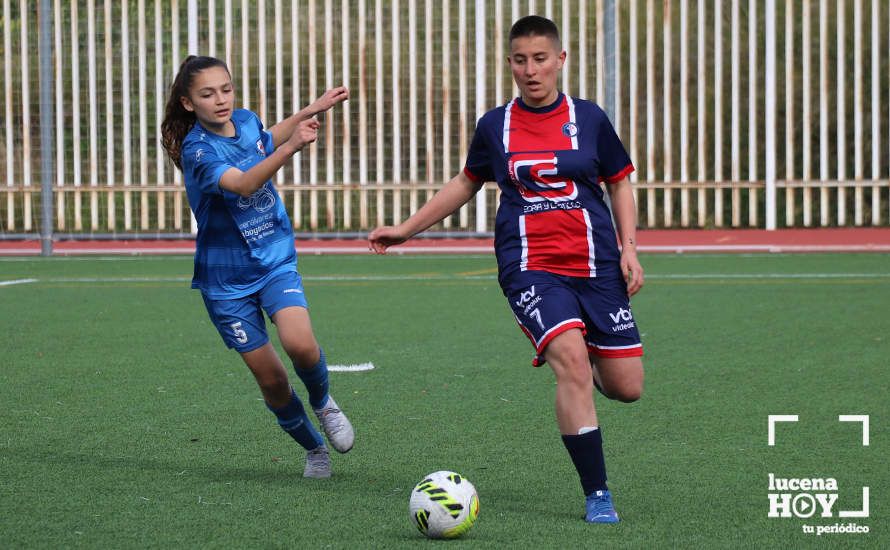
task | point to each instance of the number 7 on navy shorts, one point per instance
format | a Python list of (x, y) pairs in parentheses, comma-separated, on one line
[(546, 305)]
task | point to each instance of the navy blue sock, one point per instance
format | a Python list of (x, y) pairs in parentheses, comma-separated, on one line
[(292, 419), (316, 380), (586, 451)]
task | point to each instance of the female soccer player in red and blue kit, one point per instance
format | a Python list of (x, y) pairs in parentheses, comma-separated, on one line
[(558, 261), (245, 261)]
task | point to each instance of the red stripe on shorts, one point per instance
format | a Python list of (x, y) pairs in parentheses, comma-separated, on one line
[(633, 351)]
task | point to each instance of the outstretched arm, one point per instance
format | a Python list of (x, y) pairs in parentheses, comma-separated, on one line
[(283, 130), (452, 196), (625, 211)]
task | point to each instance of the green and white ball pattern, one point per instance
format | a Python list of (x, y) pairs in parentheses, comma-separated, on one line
[(444, 505)]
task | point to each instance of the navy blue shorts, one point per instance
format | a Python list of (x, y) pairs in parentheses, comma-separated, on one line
[(240, 321), (546, 305)]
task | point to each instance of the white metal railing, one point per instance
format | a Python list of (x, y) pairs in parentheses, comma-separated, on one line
[(708, 134)]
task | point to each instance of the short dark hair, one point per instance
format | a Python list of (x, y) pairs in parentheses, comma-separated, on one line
[(534, 25)]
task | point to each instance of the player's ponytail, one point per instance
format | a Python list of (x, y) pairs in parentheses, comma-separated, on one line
[(177, 120)]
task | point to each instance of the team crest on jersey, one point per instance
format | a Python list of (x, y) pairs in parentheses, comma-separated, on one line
[(198, 154), (260, 148), (570, 129)]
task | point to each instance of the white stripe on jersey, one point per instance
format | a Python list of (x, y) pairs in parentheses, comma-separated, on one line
[(591, 252), (507, 110), (523, 263), (572, 119)]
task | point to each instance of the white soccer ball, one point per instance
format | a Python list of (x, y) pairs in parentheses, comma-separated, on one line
[(444, 505)]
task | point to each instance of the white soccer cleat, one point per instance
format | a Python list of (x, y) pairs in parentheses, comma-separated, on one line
[(336, 426), (318, 463)]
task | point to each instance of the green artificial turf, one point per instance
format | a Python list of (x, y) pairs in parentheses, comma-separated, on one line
[(125, 422)]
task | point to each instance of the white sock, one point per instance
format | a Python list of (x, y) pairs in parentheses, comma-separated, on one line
[(585, 429)]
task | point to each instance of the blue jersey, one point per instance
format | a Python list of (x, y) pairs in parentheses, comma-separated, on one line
[(548, 163), (242, 242)]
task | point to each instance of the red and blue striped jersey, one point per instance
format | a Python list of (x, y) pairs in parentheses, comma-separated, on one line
[(548, 163)]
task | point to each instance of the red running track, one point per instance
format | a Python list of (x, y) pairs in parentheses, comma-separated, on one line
[(845, 239)]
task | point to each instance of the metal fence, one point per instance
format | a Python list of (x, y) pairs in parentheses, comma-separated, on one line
[(752, 114)]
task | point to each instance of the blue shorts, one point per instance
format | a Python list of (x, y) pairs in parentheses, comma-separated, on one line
[(240, 321), (546, 305)]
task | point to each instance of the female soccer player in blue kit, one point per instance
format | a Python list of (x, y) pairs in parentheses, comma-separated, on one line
[(558, 261), (245, 260)]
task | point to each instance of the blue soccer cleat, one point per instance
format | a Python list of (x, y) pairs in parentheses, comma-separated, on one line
[(600, 509)]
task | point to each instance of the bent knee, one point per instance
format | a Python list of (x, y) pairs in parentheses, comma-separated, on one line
[(626, 393), (629, 395)]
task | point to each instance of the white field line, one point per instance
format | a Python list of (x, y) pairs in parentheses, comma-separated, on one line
[(112, 280), (361, 367), (61, 252), (17, 282), (166, 257), (671, 276), (492, 277), (478, 249), (691, 276), (682, 254), (773, 248)]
